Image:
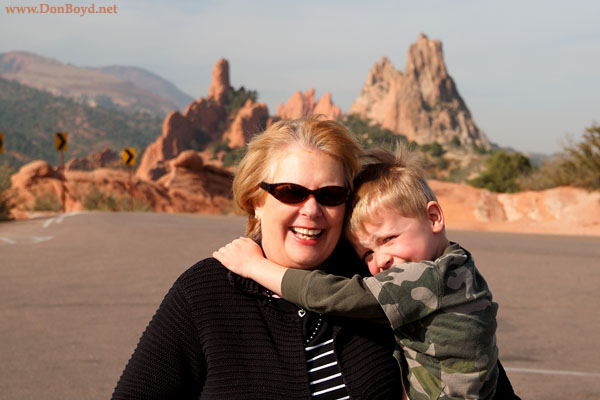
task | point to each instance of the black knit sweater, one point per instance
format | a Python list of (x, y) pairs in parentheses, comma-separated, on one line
[(216, 336)]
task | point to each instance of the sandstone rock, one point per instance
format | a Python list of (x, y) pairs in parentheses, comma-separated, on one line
[(561, 210), (32, 172), (202, 122), (422, 103), (219, 87), (188, 186), (301, 105), (102, 159), (188, 159), (206, 116), (36, 180), (177, 133), (249, 120), (326, 107)]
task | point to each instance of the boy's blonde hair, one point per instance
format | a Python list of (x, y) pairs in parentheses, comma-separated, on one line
[(388, 180)]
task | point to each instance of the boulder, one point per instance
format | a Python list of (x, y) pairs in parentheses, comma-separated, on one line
[(249, 120), (177, 135), (106, 158)]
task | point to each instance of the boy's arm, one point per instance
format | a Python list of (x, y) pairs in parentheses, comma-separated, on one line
[(314, 290), (331, 294)]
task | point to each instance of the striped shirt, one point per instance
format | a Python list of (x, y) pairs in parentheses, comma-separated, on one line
[(324, 374)]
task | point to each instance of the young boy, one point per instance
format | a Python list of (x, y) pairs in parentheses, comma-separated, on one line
[(428, 288)]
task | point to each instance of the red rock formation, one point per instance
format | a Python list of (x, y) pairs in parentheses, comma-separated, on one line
[(36, 180), (189, 185), (249, 120), (326, 107), (177, 133), (102, 159), (300, 105), (422, 103), (204, 121), (206, 116), (219, 87)]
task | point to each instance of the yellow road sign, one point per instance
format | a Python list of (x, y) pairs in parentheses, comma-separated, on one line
[(129, 156), (1, 142), (60, 139)]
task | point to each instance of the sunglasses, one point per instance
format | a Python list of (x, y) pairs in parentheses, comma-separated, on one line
[(290, 193)]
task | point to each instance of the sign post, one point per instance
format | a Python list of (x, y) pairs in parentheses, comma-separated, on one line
[(129, 160), (60, 140)]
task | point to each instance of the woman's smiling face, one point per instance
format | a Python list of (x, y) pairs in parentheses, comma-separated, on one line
[(302, 235)]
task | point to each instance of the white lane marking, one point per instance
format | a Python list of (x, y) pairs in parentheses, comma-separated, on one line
[(27, 240), (60, 218), (7, 240), (551, 372), (40, 239)]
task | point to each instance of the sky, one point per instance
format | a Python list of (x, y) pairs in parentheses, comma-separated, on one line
[(527, 70)]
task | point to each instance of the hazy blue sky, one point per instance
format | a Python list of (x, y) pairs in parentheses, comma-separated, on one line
[(528, 70)]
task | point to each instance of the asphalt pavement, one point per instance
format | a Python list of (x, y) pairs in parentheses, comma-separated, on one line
[(77, 291)]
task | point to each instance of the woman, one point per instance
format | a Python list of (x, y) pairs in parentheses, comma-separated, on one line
[(219, 336)]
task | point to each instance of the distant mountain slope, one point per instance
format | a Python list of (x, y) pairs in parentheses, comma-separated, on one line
[(86, 85), (149, 81), (29, 118)]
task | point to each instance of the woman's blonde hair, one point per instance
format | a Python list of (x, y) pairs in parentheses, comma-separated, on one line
[(388, 181), (265, 149)]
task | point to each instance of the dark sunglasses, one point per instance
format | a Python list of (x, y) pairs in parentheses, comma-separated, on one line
[(290, 193)]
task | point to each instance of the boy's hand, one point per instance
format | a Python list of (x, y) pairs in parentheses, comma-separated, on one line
[(244, 257), (240, 256)]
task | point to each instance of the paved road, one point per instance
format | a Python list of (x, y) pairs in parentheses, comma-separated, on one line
[(76, 291)]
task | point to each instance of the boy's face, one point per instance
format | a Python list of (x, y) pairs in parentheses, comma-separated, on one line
[(390, 239)]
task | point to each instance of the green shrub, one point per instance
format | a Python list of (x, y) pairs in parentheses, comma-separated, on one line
[(582, 164), (5, 172), (238, 97), (235, 156), (140, 206), (434, 149), (455, 141), (371, 134), (47, 202), (502, 172), (578, 165), (97, 200)]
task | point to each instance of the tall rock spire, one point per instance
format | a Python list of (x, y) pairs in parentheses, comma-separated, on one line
[(219, 87), (422, 103)]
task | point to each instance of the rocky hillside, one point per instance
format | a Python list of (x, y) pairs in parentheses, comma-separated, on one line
[(150, 82), (114, 87), (421, 103), (29, 118)]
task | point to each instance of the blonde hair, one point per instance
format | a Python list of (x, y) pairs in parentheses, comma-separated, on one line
[(330, 137), (388, 180)]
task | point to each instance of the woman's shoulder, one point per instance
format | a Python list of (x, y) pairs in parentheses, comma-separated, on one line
[(202, 275), (210, 278)]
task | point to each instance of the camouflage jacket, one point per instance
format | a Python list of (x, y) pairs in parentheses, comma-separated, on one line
[(441, 311)]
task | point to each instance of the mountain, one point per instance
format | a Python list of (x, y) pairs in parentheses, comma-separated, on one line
[(128, 89), (149, 81), (421, 103), (29, 118)]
